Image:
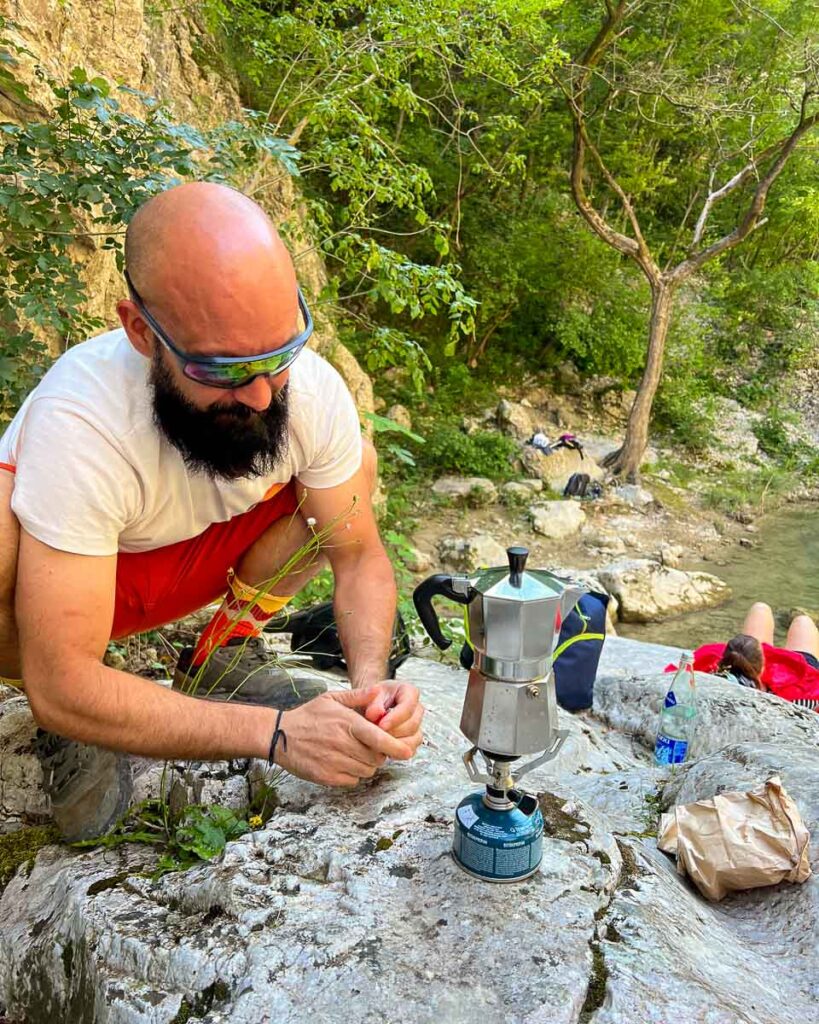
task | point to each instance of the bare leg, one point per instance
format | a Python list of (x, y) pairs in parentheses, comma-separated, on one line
[(759, 623), (803, 635), (9, 541), (280, 542)]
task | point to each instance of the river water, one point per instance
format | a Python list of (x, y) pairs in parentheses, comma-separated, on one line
[(782, 570)]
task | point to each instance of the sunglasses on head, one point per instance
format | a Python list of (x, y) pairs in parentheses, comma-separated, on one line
[(229, 371)]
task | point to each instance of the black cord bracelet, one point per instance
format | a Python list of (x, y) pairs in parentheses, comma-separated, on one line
[(278, 735)]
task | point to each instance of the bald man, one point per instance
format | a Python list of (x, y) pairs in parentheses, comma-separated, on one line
[(185, 457)]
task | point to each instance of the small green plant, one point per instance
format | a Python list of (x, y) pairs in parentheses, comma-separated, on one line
[(383, 425), (198, 834)]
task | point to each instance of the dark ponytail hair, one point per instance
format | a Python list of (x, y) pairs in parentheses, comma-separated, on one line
[(743, 656)]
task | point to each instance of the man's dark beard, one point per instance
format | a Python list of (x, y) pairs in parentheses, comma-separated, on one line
[(225, 440)]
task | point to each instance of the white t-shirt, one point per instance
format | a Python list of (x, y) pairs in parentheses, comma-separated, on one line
[(94, 475)]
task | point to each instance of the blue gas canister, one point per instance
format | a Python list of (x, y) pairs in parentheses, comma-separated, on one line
[(497, 845)]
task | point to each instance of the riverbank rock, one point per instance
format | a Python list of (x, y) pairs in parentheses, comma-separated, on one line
[(648, 591), (670, 554), (467, 553), (555, 469), (416, 560), (22, 800), (521, 490), (557, 519), (634, 495), (466, 490), (603, 541), (516, 419), (311, 910), (400, 414)]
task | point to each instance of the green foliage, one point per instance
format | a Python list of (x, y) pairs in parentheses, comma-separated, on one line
[(684, 411), (383, 425), (485, 453), (759, 490), (317, 591), (399, 109), (78, 176), (199, 833), (776, 438), (203, 831)]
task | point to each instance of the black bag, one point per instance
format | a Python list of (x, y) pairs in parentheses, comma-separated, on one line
[(315, 633), (575, 667), (577, 485)]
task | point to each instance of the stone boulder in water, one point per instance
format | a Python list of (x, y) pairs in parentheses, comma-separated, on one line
[(649, 591), (347, 905)]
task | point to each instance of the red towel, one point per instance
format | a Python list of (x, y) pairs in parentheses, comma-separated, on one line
[(786, 673)]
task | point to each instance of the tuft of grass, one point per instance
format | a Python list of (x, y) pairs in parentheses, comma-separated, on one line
[(758, 491)]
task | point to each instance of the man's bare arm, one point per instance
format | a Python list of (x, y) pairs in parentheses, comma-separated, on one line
[(65, 608), (364, 603), (365, 594)]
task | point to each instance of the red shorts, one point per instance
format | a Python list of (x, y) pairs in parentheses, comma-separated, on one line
[(159, 586)]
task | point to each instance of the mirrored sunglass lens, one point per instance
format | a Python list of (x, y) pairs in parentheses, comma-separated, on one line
[(235, 374)]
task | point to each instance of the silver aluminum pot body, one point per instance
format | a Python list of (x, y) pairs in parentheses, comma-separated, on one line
[(507, 718)]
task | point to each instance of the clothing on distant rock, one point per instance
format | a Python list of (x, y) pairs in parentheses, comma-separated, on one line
[(569, 441), (541, 442)]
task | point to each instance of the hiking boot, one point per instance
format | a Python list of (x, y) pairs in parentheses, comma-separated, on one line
[(89, 788), (243, 670)]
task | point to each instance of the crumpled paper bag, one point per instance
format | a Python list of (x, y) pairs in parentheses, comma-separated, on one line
[(738, 840)]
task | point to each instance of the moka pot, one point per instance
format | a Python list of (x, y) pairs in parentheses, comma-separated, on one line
[(513, 619)]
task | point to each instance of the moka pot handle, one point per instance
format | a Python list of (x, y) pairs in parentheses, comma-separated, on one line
[(438, 585)]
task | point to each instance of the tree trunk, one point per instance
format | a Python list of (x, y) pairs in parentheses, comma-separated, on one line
[(626, 461)]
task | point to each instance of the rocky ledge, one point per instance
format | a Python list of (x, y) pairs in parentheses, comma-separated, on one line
[(347, 906)]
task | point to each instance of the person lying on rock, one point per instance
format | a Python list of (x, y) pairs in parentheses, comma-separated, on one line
[(186, 456), (791, 672)]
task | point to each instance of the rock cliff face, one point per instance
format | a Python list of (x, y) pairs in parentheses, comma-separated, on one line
[(347, 906), (128, 43)]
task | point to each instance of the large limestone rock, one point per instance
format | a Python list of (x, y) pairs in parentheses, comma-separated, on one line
[(466, 490), (467, 553), (347, 906), (555, 469), (521, 490), (516, 419), (22, 800), (634, 495), (557, 519), (648, 591), (604, 541)]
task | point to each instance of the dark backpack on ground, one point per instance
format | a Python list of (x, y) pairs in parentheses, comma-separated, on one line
[(315, 633), (579, 647), (580, 485), (577, 485)]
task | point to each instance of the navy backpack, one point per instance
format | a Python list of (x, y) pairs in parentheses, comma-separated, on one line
[(578, 651)]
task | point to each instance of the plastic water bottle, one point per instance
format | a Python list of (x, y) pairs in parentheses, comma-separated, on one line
[(678, 716)]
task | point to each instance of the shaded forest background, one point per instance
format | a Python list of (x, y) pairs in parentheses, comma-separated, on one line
[(433, 144)]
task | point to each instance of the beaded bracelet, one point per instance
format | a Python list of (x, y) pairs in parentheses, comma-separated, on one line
[(278, 734)]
